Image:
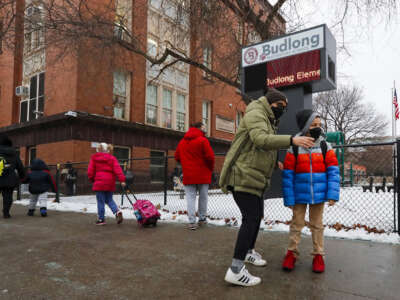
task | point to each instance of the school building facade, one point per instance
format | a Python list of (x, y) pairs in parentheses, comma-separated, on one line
[(67, 104)]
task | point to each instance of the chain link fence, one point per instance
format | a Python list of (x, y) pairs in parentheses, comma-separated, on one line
[(368, 196)]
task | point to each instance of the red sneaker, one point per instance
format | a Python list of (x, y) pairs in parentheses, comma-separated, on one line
[(318, 265), (289, 261)]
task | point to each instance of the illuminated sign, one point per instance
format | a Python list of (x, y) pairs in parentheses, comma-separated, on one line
[(295, 69), (292, 44), (305, 58)]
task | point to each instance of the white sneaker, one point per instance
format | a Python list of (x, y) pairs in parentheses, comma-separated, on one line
[(243, 278), (255, 259)]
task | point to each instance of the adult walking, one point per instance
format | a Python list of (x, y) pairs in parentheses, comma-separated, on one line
[(9, 163), (247, 171), (196, 156)]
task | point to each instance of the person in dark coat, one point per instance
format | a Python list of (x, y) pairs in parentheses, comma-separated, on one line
[(70, 176), (196, 156), (9, 180), (40, 182)]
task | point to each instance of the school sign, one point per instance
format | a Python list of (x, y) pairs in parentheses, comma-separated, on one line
[(306, 58)]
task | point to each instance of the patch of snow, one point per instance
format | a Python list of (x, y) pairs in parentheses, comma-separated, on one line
[(355, 209)]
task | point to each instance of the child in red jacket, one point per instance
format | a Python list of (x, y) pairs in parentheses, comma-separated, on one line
[(102, 171)]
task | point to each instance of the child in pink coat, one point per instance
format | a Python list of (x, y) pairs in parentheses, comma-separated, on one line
[(103, 171)]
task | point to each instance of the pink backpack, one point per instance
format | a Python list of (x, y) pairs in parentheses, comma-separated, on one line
[(148, 211)]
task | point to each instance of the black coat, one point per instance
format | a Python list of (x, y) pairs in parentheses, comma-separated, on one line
[(11, 163), (39, 178)]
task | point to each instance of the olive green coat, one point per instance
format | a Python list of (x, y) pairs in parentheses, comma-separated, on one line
[(252, 156)]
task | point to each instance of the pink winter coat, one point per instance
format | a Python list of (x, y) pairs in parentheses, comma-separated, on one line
[(103, 170)]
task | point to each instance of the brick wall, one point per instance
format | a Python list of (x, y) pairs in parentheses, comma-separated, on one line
[(6, 87)]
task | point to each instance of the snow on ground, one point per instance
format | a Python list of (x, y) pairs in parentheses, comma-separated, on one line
[(374, 211)]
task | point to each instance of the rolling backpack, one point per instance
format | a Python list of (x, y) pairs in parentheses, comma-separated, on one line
[(145, 211)]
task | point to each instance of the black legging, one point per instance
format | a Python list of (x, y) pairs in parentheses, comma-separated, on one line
[(7, 200), (252, 209)]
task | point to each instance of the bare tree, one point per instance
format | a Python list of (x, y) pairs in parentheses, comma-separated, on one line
[(225, 24), (343, 110)]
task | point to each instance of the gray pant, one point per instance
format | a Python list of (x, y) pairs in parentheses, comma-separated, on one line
[(41, 198), (191, 191)]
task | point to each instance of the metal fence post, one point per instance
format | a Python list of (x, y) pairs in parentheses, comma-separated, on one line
[(122, 190), (57, 184), (165, 177), (396, 185), (19, 192)]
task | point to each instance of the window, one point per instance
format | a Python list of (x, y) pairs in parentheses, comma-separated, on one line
[(151, 104), (206, 116), (157, 166), (151, 47), (167, 109), (180, 11), (34, 37), (156, 3), (207, 60), (253, 37), (180, 112), (239, 32), (123, 154), (239, 77), (207, 9), (33, 107), (123, 19), (121, 94), (34, 30), (239, 116), (31, 154)]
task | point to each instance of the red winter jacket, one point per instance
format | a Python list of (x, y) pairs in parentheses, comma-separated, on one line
[(196, 157), (103, 170)]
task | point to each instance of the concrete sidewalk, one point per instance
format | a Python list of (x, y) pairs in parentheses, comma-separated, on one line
[(65, 256)]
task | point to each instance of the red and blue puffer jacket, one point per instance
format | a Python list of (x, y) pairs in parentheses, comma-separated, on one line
[(309, 179)]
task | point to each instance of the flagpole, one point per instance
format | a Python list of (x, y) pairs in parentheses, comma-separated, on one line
[(393, 117), (395, 129), (395, 169)]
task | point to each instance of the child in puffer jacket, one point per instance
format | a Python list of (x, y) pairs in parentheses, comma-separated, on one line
[(103, 171), (40, 182), (310, 177)]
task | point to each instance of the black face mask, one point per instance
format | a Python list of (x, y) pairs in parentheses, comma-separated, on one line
[(278, 111), (315, 132)]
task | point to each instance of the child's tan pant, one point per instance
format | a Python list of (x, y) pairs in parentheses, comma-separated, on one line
[(316, 212)]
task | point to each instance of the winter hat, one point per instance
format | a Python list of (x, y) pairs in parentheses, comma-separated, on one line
[(103, 147), (273, 95), (304, 118), (5, 141)]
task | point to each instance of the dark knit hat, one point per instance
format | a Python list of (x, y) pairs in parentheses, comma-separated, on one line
[(273, 95), (302, 117)]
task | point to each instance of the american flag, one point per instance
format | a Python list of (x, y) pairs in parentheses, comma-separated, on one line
[(396, 105)]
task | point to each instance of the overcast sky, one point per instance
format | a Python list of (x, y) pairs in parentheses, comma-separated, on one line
[(374, 47)]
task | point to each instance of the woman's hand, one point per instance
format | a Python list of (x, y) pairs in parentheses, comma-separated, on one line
[(303, 141), (331, 202), (280, 165)]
